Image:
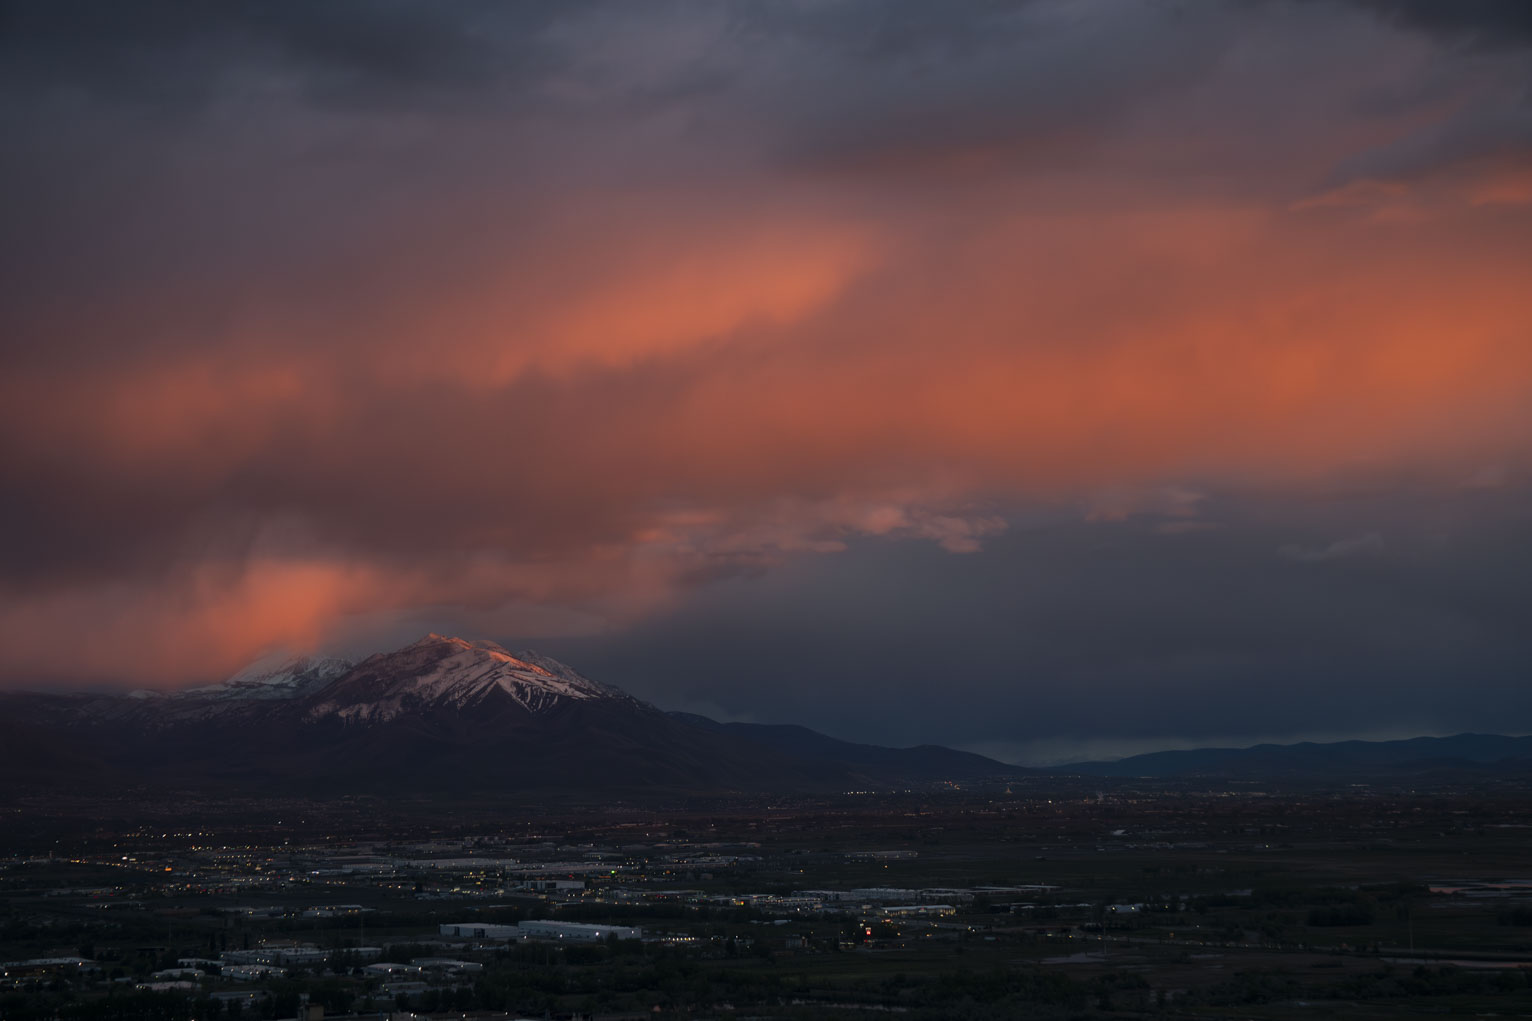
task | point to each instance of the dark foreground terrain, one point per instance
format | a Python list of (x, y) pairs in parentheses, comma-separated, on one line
[(1047, 898)]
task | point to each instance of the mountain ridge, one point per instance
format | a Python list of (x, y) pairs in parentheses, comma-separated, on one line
[(449, 713), (442, 713), (916, 760)]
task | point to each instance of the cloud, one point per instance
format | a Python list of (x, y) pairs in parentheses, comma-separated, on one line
[(347, 53), (1483, 23), (1490, 476), (1176, 502), (464, 311), (1478, 157), (1067, 635), (1367, 544)]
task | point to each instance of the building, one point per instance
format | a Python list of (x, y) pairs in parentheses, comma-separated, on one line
[(447, 964), (47, 966), (576, 931), (279, 955), (240, 998), (937, 910), (553, 885), (582, 932), (385, 969), (881, 895), (248, 972), (480, 930)]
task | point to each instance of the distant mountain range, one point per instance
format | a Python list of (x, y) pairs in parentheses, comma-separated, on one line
[(440, 715), (444, 715), (1483, 754)]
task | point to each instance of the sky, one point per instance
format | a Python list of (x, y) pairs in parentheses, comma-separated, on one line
[(1049, 379)]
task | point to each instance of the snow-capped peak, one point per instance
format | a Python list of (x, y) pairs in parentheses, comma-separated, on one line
[(441, 671)]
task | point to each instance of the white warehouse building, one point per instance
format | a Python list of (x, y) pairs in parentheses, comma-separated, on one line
[(578, 931), (582, 932)]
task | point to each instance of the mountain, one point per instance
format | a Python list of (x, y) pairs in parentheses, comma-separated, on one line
[(1470, 753), (289, 679), (439, 674), (442, 715), (892, 765)]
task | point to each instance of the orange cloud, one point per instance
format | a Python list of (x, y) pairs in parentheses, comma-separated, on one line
[(595, 433), (203, 622)]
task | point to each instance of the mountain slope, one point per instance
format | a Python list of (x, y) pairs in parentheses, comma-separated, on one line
[(293, 678), (874, 763), (439, 672)]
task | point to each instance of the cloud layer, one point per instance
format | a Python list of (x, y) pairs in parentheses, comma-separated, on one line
[(546, 319)]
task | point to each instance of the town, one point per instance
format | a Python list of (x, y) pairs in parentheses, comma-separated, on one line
[(1132, 900)]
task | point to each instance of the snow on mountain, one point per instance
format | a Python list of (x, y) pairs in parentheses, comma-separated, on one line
[(291, 679), (436, 673), (445, 672)]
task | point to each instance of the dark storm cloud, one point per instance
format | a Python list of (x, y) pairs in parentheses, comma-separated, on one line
[(1486, 23), (230, 153), (1483, 141), (972, 89), (896, 29), (177, 54), (1471, 139), (1069, 638)]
